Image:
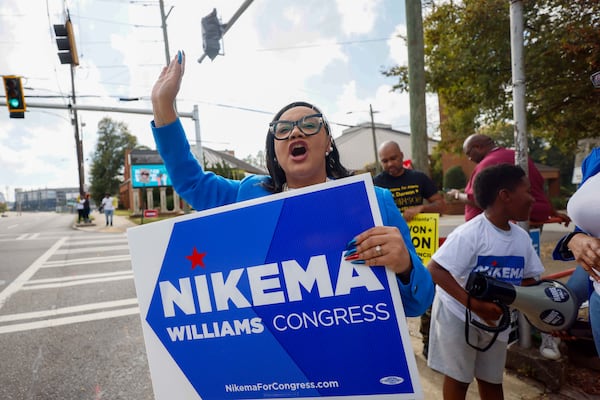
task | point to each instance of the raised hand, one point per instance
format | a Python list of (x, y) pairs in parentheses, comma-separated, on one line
[(165, 90)]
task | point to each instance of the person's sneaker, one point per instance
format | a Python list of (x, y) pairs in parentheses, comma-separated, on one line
[(549, 347), (426, 350)]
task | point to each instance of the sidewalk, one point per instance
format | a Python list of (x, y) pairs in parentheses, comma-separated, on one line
[(120, 224)]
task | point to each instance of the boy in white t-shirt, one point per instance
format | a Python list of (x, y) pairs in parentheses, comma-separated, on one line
[(488, 243)]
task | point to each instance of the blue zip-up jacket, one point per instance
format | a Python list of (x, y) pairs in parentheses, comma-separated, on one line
[(204, 190)]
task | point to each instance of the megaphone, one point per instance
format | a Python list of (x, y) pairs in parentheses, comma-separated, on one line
[(548, 304)]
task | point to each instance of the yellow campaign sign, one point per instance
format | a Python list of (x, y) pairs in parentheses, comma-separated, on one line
[(424, 233)]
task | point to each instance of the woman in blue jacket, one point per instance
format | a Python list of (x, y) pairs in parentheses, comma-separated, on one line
[(583, 244), (300, 152)]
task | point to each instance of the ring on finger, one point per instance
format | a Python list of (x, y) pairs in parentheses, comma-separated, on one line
[(378, 250)]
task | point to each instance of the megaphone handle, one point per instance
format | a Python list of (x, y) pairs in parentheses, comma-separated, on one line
[(504, 321)]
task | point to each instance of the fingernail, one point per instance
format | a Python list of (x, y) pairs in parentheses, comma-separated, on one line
[(351, 244), (352, 257), (179, 57), (350, 252), (359, 262)]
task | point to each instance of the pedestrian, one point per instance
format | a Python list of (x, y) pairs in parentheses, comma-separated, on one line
[(86, 208), (482, 150), (108, 207), (583, 244), (490, 243), (300, 152), (79, 207), (414, 193)]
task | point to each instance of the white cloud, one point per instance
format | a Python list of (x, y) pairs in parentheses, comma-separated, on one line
[(398, 52), (358, 17)]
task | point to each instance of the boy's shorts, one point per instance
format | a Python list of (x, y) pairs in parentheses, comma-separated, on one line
[(450, 354)]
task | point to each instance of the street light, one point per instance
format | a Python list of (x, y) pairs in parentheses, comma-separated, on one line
[(371, 112)]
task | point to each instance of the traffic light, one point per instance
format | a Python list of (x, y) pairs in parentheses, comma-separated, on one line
[(15, 100), (65, 40), (212, 32)]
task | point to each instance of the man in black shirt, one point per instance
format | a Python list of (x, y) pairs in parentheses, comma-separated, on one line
[(410, 189)]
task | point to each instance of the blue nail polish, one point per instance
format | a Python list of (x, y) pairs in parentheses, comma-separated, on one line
[(351, 244), (350, 252), (179, 57), (358, 262)]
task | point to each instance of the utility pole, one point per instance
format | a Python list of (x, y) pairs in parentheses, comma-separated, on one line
[(519, 115), (163, 20), (377, 167), (78, 143), (416, 86), (65, 41)]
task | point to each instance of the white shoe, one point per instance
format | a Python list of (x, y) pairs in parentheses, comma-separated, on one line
[(549, 347)]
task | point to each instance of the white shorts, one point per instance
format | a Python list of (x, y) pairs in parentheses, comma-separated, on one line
[(450, 354)]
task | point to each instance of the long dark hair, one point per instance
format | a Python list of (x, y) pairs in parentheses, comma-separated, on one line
[(333, 166)]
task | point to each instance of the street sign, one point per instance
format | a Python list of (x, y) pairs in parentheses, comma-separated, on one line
[(150, 213), (255, 300)]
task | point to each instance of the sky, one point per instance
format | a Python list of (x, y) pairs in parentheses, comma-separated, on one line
[(327, 52)]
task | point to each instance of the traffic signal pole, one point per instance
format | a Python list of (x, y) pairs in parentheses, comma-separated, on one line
[(78, 142), (228, 25)]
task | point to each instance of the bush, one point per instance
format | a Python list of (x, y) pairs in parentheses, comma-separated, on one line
[(455, 178)]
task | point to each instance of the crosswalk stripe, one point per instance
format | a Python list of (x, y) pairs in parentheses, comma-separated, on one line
[(51, 323), (68, 310)]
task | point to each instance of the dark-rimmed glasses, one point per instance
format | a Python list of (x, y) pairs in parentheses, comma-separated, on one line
[(309, 125)]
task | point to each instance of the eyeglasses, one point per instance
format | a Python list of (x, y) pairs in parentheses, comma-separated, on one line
[(309, 125)]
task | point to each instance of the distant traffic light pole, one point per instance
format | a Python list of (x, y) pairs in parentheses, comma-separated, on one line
[(213, 25), (65, 41)]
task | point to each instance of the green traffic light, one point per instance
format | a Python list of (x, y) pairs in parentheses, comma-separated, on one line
[(14, 103)]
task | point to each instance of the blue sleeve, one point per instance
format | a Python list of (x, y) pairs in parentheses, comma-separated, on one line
[(417, 294), (202, 190)]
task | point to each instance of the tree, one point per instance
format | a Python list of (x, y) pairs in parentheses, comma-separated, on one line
[(467, 50), (258, 160), (108, 160), (223, 169)]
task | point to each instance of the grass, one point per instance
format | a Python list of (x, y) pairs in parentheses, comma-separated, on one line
[(138, 219)]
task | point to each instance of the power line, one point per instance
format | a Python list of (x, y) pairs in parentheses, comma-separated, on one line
[(307, 46)]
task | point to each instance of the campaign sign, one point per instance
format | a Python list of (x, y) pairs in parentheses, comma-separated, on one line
[(150, 213), (424, 232), (535, 234), (254, 300)]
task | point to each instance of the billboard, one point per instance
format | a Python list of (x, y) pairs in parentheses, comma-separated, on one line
[(149, 175)]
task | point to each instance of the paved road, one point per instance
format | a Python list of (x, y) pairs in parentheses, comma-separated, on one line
[(69, 321)]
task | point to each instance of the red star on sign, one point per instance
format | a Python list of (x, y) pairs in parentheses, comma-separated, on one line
[(196, 258)]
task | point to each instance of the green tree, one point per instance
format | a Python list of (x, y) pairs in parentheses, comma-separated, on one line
[(468, 62), (223, 169), (258, 160), (108, 160)]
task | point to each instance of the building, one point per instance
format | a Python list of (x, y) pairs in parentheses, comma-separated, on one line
[(59, 200), (357, 147), (146, 183)]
